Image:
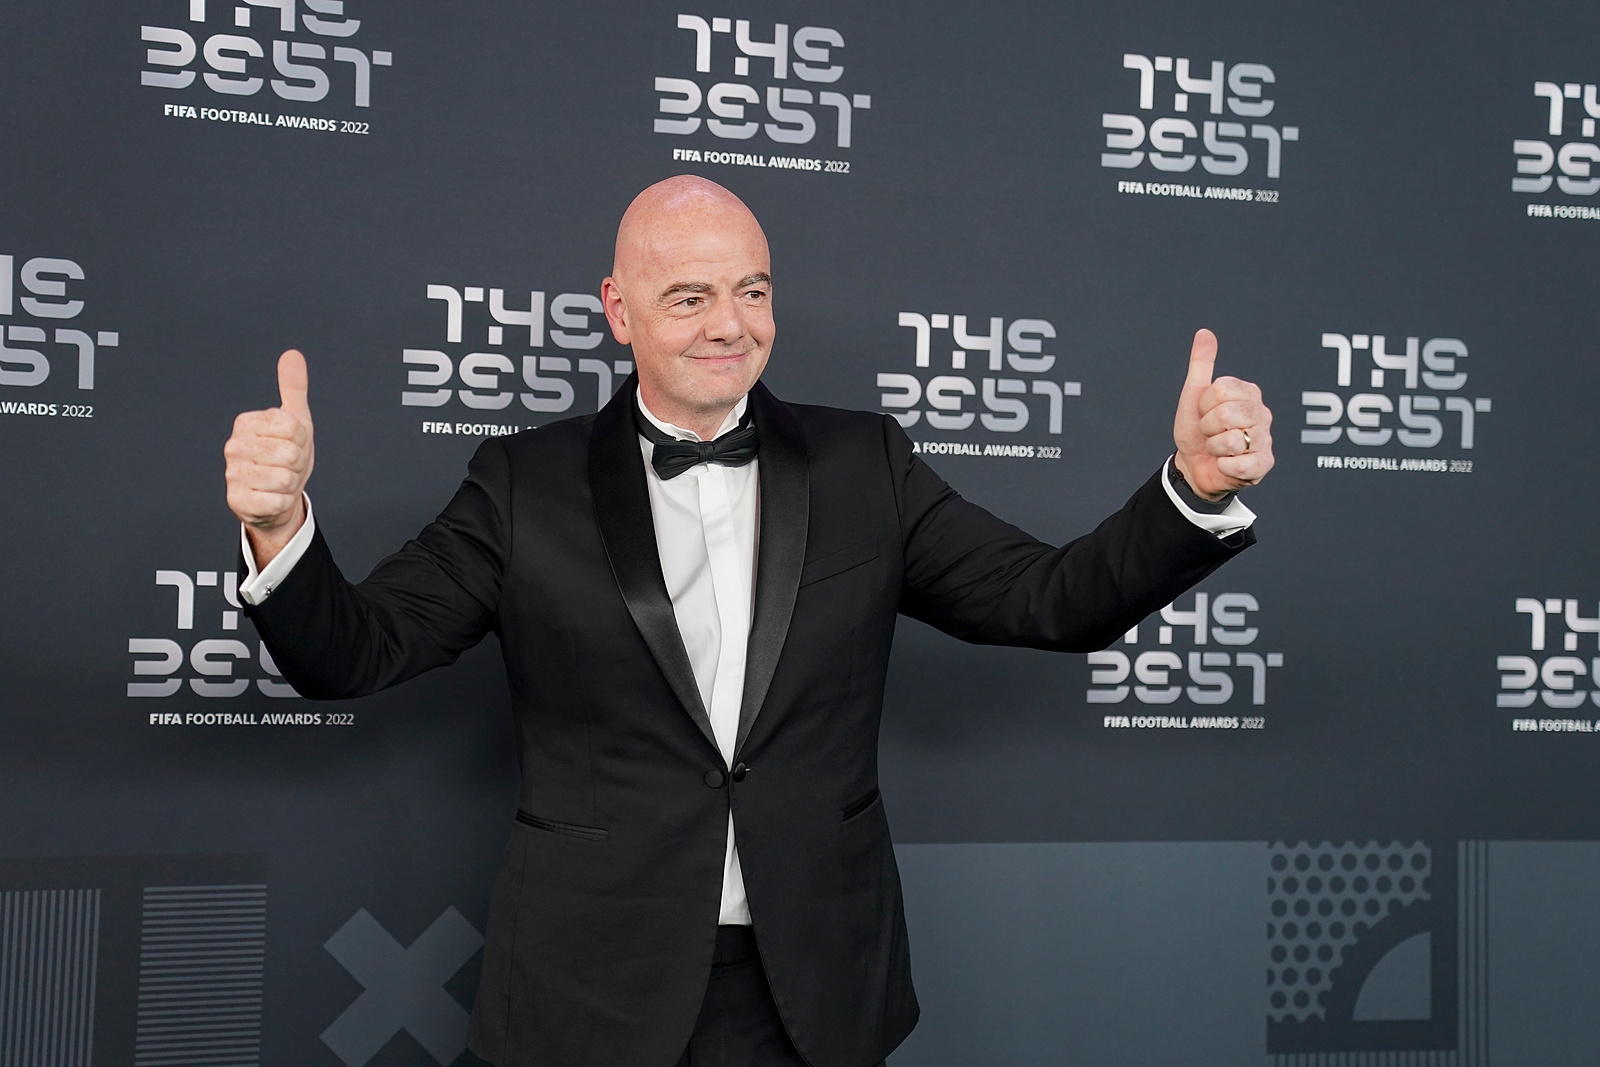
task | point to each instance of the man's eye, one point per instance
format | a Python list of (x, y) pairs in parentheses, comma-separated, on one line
[(691, 301)]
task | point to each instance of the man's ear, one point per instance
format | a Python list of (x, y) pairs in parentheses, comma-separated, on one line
[(616, 311)]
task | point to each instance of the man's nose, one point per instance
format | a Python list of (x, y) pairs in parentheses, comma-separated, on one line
[(725, 322)]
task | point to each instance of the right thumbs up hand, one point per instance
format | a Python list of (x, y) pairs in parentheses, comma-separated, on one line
[(270, 456)]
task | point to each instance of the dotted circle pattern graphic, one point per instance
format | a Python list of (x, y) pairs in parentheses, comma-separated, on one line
[(1321, 899)]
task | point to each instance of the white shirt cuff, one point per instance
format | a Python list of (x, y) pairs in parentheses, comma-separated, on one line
[(258, 585), (1224, 524)]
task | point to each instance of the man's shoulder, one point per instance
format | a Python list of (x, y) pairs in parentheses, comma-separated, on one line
[(546, 453), (850, 459), (554, 440), (823, 424)]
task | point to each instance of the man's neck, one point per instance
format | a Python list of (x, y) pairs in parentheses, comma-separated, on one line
[(705, 424)]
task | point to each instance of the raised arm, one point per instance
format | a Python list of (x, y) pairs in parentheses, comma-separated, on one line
[(983, 580), (420, 608)]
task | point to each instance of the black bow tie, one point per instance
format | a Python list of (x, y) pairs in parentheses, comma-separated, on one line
[(671, 457)]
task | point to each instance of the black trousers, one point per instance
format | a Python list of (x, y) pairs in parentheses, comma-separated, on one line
[(739, 1025)]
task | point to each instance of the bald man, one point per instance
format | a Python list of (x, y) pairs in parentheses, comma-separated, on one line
[(695, 591)]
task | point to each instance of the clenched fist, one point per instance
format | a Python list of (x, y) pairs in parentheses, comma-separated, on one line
[(270, 456), (1223, 431)]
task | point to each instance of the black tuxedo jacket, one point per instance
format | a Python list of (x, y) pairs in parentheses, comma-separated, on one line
[(604, 913)]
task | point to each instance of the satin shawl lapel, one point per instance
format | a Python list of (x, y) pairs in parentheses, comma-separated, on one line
[(781, 551), (622, 510)]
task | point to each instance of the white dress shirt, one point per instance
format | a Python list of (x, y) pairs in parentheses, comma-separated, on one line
[(706, 524)]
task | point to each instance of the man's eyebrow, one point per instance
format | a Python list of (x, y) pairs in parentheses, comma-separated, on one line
[(685, 287), (748, 281)]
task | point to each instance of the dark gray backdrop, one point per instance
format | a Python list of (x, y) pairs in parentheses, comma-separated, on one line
[(1089, 880)]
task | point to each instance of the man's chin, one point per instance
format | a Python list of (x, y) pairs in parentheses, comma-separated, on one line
[(724, 380), (719, 400)]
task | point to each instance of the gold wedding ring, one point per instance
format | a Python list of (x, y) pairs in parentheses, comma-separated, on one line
[(1246, 438)]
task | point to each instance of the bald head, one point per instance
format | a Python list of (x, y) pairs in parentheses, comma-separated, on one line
[(690, 291), (685, 206)]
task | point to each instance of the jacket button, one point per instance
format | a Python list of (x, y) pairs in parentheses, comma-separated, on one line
[(739, 771), (714, 779)]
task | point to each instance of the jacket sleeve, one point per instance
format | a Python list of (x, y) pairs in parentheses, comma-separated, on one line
[(419, 609), (983, 580)]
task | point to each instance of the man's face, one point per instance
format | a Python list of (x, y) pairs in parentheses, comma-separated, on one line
[(692, 295)]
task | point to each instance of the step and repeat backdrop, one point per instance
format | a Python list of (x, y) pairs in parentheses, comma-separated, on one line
[(1336, 806)]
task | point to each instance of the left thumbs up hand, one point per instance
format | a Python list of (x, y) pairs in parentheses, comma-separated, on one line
[(1223, 431)]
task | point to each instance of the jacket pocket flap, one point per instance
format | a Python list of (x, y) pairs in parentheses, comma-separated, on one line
[(863, 551), (587, 833)]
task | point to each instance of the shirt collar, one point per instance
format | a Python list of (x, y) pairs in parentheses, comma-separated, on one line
[(689, 435)]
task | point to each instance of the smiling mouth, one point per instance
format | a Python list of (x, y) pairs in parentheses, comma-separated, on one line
[(721, 357)]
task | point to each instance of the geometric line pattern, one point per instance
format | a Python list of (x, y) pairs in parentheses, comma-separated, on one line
[(202, 953), (1366, 1059), (1473, 944), (49, 949)]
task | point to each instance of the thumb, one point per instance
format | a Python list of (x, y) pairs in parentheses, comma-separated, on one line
[(1202, 362), (293, 384)]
